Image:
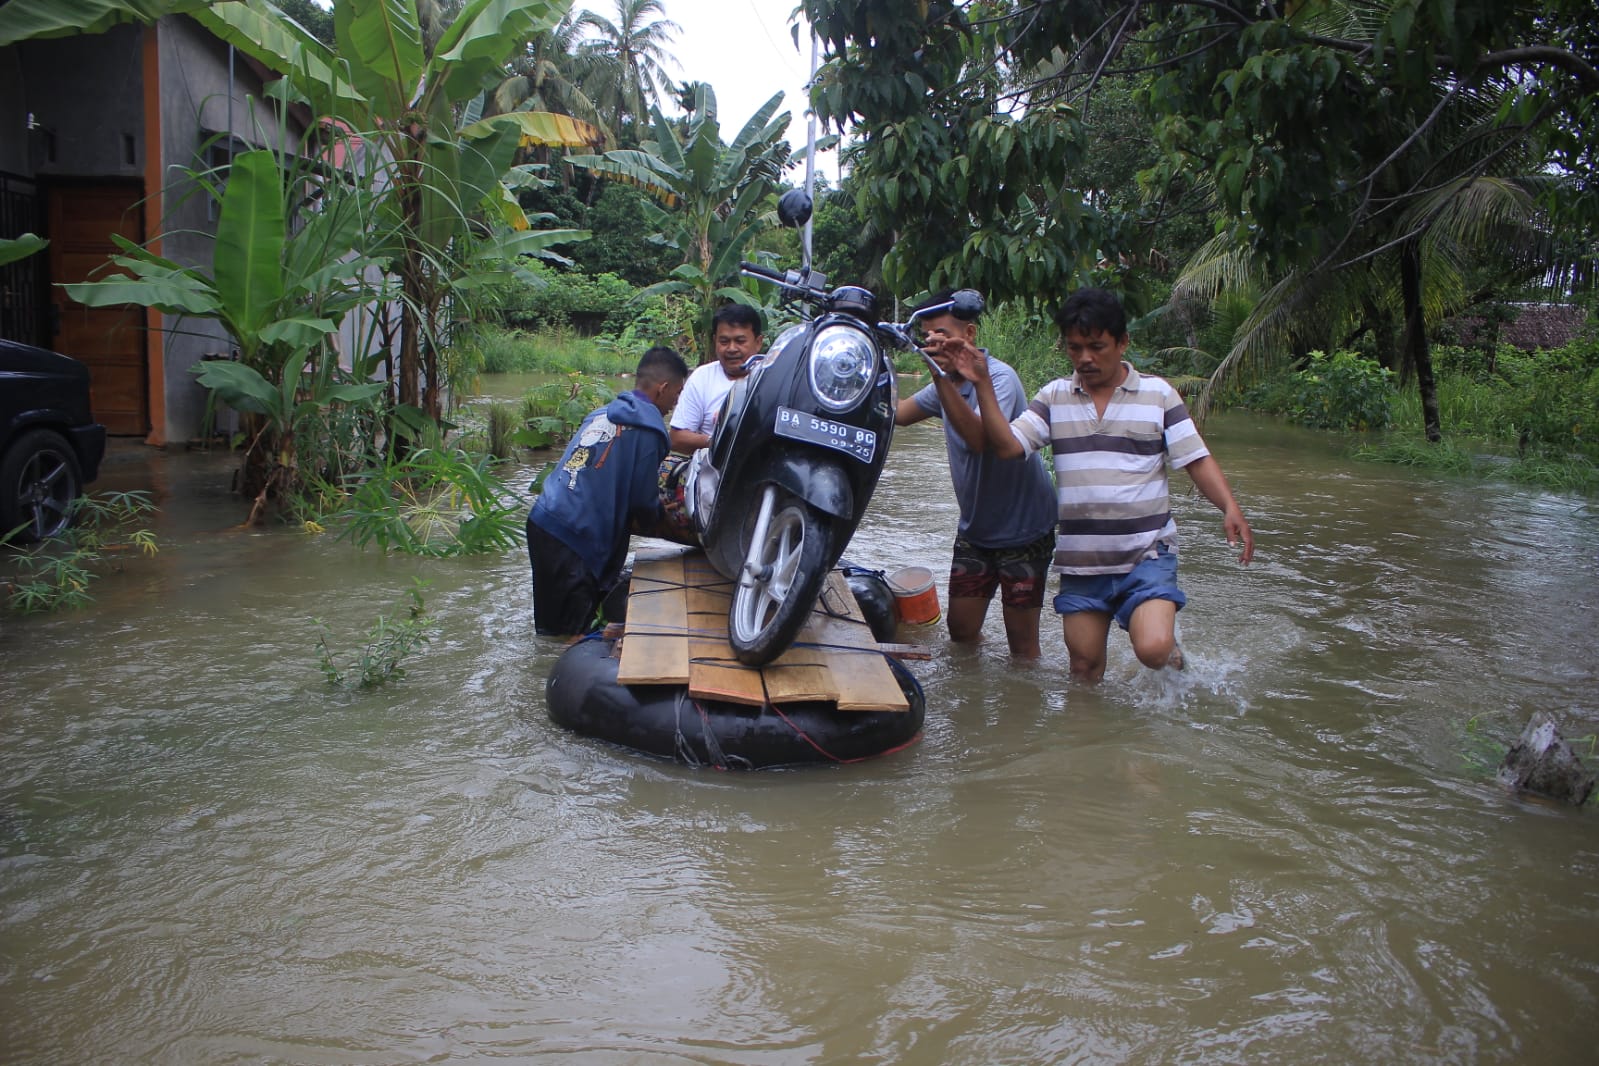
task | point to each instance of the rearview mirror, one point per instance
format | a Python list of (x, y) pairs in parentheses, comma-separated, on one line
[(967, 304), (794, 208)]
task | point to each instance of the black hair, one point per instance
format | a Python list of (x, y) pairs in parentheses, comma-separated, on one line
[(736, 314), (1091, 311), (943, 296), (660, 364)]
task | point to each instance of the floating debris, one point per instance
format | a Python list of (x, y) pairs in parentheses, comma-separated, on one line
[(1543, 763)]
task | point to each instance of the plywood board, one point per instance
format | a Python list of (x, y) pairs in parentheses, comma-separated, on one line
[(676, 633), (655, 637), (714, 672)]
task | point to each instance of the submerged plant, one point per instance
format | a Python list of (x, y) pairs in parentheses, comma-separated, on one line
[(553, 411), (57, 573), (434, 502), (391, 640)]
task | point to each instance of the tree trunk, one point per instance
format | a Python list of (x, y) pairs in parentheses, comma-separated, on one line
[(1384, 336), (410, 361), (1417, 354)]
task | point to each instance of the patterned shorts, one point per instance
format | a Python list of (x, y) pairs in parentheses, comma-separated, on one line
[(1020, 573), (671, 484)]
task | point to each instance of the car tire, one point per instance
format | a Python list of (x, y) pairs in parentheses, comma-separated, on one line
[(39, 478)]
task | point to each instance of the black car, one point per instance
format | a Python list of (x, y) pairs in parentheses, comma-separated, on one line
[(50, 445)]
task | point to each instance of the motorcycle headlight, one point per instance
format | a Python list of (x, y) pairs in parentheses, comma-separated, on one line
[(843, 362)]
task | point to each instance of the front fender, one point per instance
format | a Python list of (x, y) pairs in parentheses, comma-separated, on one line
[(815, 478)]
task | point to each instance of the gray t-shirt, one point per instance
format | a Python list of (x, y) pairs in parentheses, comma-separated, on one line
[(1004, 503)]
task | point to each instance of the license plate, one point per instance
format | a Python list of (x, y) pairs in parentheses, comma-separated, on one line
[(851, 440)]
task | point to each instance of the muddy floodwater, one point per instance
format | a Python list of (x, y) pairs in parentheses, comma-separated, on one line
[(1294, 852)]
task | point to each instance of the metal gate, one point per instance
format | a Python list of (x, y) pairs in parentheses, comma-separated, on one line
[(22, 283)]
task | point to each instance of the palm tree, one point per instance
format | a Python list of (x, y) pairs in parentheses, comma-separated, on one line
[(548, 76), (708, 195), (1443, 189), (629, 75)]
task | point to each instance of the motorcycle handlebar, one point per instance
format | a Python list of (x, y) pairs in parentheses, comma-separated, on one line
[(806, 284), (757, 271)]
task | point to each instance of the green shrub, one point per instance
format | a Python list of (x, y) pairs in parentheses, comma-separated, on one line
[(552, 411), (668, 320), (563, 299), (436, 503), (1341, 391)]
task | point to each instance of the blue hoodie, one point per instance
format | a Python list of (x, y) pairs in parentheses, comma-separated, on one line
[(606, 478)]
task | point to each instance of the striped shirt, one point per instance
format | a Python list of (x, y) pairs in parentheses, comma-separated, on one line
[(1110, 471)]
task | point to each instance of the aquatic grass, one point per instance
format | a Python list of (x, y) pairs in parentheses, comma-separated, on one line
[(1570, 474), (1562, 474), (391, 640), (1444, 457), (57, 573), (505, 351), (434, 502), (504, 420)]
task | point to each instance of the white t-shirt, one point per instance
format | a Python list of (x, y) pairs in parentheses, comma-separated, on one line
[(702, 398)]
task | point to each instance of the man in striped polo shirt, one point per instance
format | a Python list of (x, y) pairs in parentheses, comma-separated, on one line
[(1112, 431)]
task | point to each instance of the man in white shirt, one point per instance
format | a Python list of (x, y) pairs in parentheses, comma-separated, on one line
[(736, 337)]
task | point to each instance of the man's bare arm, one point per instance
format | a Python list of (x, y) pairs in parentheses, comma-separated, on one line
[(1208, 478)]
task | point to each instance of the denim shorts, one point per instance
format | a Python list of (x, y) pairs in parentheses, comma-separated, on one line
[(1119, 595)]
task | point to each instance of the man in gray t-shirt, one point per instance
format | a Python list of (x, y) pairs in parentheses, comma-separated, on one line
[(1006, 536)]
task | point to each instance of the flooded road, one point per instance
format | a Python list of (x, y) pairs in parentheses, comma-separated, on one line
[(1292, 852)]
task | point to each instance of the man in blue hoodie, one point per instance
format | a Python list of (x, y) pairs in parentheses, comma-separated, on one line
[(577, 531)]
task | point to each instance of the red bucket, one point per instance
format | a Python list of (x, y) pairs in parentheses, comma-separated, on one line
[(915, 598)]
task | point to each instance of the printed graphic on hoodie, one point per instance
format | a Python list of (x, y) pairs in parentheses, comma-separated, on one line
[(601, 430)]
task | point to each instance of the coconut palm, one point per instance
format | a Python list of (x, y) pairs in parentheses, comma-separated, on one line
[(708, 195), (629, 74), (1399, 273), (547, 76)]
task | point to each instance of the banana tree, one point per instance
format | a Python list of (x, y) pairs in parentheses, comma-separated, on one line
[(436, 178), (708, 195), (441, 175), (281, 292)]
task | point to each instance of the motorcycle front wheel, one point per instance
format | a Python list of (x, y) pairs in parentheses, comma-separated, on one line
[(787, 562)]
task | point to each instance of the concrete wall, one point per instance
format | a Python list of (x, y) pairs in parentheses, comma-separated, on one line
[(201, 101), (85, 95)]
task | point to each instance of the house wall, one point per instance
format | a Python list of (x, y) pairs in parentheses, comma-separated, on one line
[(203, 103), (84, 94)]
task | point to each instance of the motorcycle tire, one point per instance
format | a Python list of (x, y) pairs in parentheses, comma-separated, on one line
[(795, 556)]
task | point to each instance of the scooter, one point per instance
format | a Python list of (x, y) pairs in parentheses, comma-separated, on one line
[(797, 451)]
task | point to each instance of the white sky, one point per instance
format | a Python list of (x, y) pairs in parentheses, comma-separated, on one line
[(744, 50)]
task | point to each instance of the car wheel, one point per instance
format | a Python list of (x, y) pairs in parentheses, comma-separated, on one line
[(39, 479)]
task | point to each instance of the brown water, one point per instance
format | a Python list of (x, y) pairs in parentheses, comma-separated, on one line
[(1285, 855)]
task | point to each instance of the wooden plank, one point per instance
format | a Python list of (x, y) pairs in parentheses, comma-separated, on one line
[(800, 673), (655, 645), (919, 652), (834, 658), (714, 672), (860, 671), (861, 674)]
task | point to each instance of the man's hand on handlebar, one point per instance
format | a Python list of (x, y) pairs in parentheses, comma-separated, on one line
[(964, 359)]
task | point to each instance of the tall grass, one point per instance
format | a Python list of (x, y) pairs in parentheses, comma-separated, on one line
[(1465, 406), (1026, 341), (553, 351)]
